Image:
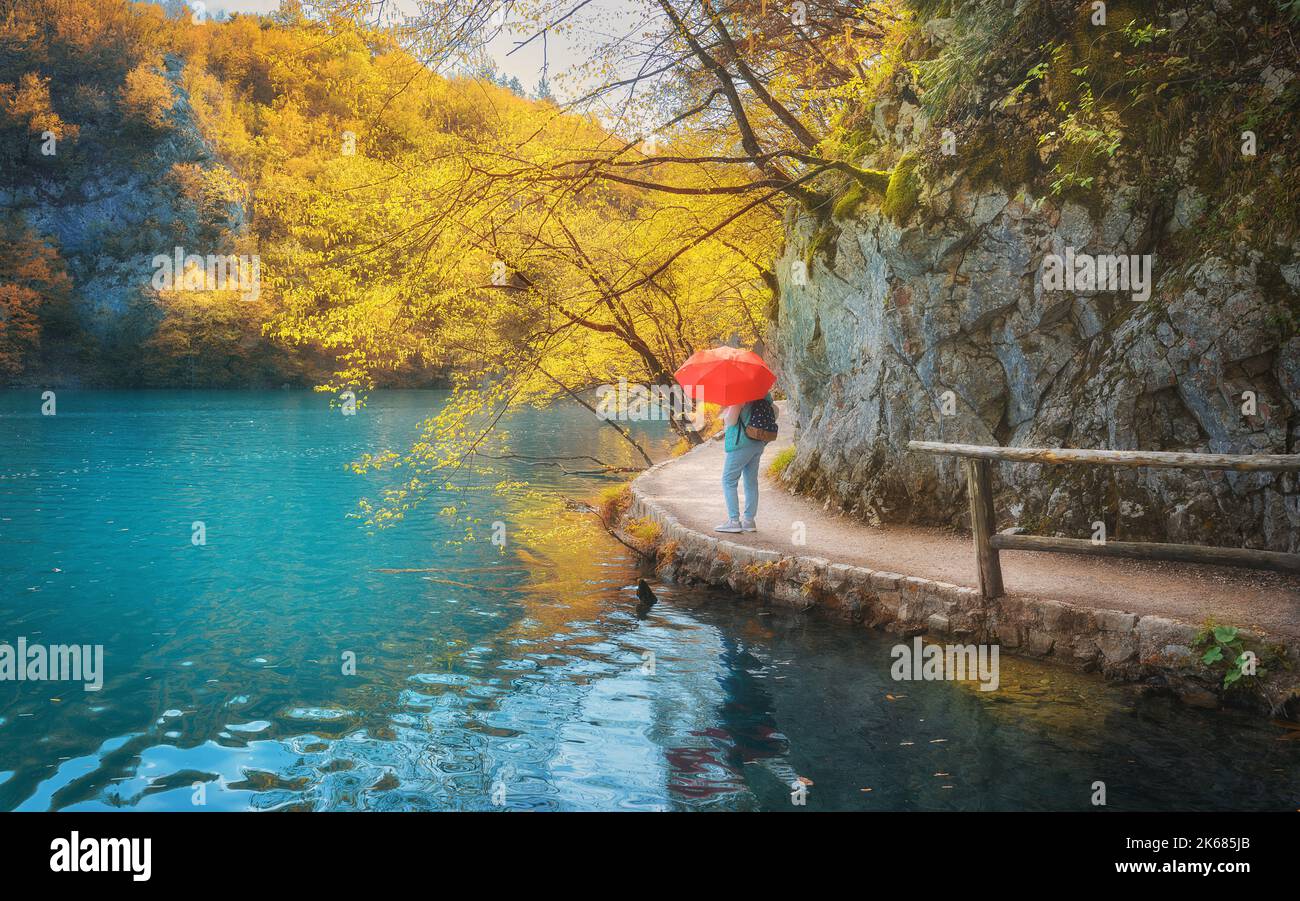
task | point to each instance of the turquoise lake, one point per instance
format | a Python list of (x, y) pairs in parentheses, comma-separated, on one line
[(491, 678)]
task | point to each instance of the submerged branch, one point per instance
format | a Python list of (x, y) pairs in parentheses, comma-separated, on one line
[(606, 468), (613, 533)]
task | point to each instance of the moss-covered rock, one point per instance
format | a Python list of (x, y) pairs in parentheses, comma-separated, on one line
[(1008, 161), (904, 190), (849, 201), (823, 246), (870, 184)]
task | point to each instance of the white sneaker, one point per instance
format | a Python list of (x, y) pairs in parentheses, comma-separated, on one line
[(747, 525), (729, 526)]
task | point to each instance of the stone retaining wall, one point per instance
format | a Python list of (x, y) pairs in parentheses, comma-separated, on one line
[(1154, 650)]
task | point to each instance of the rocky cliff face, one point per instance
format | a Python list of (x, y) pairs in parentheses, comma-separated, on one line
[(924, 314), (110, 202), (123, 205)]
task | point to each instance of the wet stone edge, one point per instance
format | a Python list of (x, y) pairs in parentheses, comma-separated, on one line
[(1155, 651)]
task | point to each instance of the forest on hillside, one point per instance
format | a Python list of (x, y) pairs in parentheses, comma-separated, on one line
[(129, 129), (336, 157)]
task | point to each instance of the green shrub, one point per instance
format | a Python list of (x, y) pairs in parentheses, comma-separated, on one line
[(776, 469), (644, 531), (949, 80), (613, 501)]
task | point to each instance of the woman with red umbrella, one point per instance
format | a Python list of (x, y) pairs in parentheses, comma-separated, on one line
[(740, 382)]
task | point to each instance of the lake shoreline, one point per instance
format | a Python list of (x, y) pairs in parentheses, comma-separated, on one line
[(1158, 652)]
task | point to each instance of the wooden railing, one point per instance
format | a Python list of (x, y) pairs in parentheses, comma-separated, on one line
[(977, 460)]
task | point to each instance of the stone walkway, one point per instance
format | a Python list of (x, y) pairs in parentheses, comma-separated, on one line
[(690, 489)]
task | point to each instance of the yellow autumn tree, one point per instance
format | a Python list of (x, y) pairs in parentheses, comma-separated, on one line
[(542, 251), (146, 96)]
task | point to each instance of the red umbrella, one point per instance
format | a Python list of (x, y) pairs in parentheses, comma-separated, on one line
[(726, 375)]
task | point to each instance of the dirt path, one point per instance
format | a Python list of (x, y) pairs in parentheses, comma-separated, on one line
[(690, 489)]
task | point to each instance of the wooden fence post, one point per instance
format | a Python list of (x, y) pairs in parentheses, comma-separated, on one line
[(982, 525)]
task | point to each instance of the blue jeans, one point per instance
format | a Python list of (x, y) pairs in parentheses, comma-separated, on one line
[(743, 461)]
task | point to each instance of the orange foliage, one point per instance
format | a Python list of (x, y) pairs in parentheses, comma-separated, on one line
[(32, 280)]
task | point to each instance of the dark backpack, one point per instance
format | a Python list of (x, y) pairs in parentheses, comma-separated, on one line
[(762, 421)]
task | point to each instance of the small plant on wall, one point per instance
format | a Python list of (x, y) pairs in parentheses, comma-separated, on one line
[(1223, 650)]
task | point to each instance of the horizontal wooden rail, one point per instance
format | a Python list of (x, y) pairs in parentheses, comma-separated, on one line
[(1155, 459), (1186, 553), (978, 460)]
